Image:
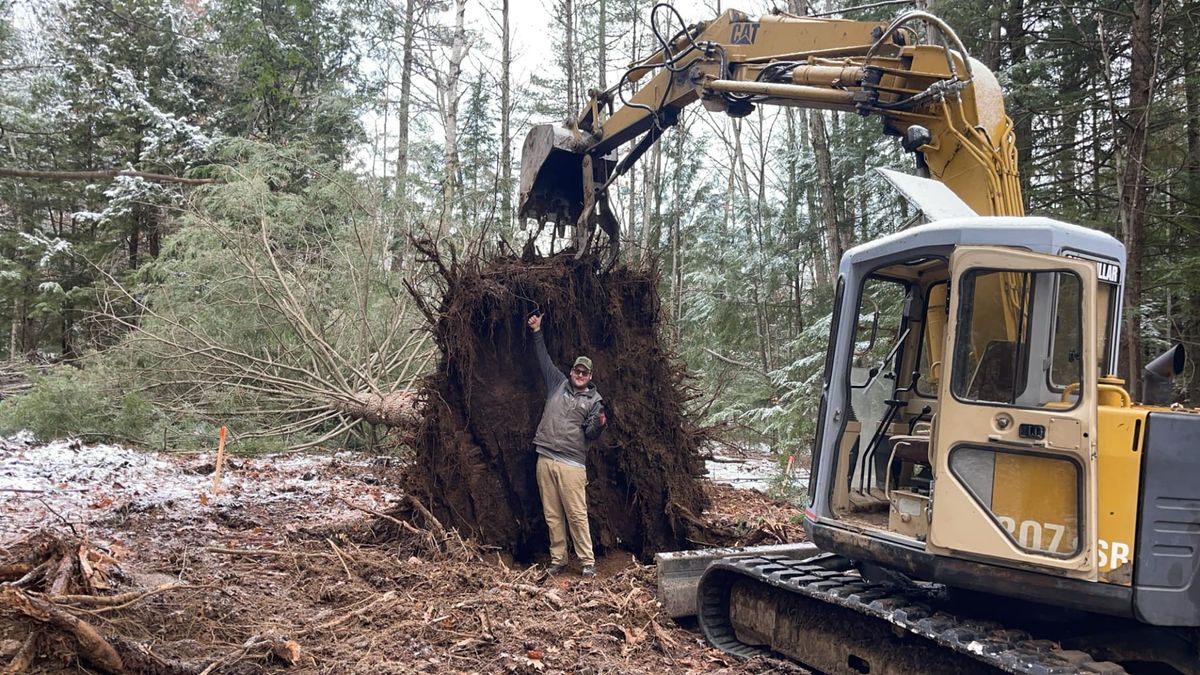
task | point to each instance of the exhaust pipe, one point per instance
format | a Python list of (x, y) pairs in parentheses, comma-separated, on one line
[(1156, 376)]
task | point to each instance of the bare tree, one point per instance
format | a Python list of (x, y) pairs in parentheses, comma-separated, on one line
[(449, 97), (506, 181), (406, 76)]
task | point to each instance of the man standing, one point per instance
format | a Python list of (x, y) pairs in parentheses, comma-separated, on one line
[(573, 414)]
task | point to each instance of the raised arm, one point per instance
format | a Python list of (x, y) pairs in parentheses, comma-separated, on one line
[(552, 376)]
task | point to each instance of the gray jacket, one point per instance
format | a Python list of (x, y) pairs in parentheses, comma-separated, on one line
[(569, 418)]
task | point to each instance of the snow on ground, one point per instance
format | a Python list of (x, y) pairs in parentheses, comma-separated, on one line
[(749, 468), (92, 485), (99, 487)]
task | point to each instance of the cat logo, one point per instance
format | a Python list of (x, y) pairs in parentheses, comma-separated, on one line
[(1108, 272), (743, 33)]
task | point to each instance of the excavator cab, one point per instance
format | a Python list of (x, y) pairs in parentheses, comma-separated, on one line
[(969, 429), (966, 389), (970, 437)]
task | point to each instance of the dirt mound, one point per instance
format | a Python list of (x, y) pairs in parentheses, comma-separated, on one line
[(475, 458)]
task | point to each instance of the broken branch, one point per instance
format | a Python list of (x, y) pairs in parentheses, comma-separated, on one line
[(119, 600), (92, 646), (103, 173)]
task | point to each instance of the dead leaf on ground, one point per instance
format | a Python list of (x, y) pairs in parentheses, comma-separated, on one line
[(287, 651)]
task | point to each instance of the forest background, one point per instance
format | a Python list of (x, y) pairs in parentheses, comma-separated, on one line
[(269, 289)]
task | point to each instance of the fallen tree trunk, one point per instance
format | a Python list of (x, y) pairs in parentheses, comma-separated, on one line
[(395, 409), (475, 457)]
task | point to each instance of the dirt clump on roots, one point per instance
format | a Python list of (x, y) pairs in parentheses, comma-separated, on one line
[(475, 465)]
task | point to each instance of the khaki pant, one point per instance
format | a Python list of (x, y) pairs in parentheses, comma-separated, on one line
[(564, 501)]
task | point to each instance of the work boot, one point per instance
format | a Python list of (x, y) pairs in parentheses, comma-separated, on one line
[(589, 571), (555, 569)]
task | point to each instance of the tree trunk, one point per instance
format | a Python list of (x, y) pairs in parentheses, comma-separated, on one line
[(602, 55), (740, 172), (449, 96), (652, 211), (569, 56), (399, 409), (677, 201), (154, 237), (1014, 28), (1191, 92), (406, 75), (820, 145), (135, 239), (815, 251), (506, 183), (1132, 188), (14, 334), (991, 51), (763, 281), (791, 219), (933, 35)]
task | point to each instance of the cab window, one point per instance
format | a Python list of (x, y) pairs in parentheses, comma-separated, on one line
[(1019, 339)]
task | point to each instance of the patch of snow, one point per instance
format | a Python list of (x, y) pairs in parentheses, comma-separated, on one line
[(82, 484), (751, 469)]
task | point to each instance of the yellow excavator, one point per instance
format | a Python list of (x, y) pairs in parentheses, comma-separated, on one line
[(986, 494)]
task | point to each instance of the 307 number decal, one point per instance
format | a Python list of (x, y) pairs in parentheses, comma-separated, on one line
[(1047, 537), (1030, 533)]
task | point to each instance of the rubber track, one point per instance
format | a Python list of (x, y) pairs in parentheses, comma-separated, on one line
[(1011, 651)]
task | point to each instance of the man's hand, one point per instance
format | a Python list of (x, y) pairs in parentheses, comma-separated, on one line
[(535, 322), (594, 422)]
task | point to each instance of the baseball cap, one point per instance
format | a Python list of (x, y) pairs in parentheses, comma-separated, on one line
[(583, 361)]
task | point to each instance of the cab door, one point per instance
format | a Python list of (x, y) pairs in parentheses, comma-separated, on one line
[(1014, 441)]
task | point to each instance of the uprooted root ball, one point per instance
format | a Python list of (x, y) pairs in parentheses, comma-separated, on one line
[(475, 458)]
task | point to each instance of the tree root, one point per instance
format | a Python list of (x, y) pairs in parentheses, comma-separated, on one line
[(119, 600), (284, 650), (24, 657), (14, 571), (55, 566), (93, 648)]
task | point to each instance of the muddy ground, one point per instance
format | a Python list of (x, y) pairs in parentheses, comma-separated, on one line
[(293, 567)]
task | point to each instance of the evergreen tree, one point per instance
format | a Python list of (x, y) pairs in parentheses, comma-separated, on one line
[(285, 71)]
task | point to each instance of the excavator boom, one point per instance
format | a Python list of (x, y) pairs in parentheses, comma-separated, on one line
[(946, 107)]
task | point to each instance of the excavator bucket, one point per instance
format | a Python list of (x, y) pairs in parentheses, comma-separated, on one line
[(552, 175)]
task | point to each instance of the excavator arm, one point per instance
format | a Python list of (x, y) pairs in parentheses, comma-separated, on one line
[(946, 107)]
